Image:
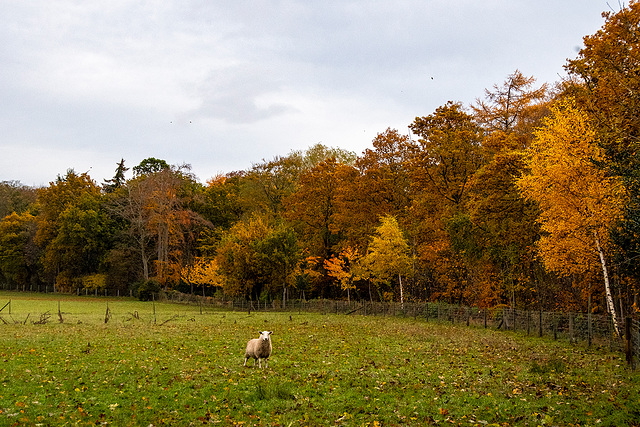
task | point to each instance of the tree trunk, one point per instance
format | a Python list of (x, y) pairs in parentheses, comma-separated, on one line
[(607, 288), (401, 293), (284, 297), (145, 262)]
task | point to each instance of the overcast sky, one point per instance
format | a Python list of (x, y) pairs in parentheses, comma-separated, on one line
[(224, 84)]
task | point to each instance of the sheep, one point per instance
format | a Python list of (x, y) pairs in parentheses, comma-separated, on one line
[(259, 348)]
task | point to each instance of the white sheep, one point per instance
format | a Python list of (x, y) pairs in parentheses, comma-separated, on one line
[(259, 348)]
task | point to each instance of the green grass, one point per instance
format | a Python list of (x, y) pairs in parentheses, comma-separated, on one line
[(180, 367)]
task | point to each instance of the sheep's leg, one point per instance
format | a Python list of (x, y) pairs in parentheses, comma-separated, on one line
[(245, 361), (266, 363), (259, 363)]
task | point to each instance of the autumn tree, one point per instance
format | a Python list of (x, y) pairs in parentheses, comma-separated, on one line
[(578, 201), (201, 272), (387, 256), (509, 112), (73, 228), (501, 223), (379, 185), (220, 203), (606, 83), (447, 153), (257, 256), (343, 268), (267, 184), (444, 160), (312, 207), (155, 207)]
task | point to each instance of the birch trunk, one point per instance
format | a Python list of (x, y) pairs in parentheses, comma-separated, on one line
[(401, 294), (607, 288)]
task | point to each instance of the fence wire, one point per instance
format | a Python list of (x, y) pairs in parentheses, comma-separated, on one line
[(591, 329)]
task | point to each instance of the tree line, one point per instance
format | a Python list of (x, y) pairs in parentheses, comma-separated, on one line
[(527, 197)]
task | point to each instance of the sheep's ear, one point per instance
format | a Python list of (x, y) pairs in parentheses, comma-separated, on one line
[(270, 332)]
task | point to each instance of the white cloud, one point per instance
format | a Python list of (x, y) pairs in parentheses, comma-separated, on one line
[(225, 84)]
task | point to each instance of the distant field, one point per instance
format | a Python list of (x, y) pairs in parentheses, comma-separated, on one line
[(181, 367)]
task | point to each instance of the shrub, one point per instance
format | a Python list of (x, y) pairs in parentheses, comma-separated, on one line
[(145, 290)]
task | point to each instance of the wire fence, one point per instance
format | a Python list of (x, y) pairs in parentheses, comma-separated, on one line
[(590, 329)]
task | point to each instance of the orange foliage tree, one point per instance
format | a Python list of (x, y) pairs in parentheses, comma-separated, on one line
[(578, 201), (342, 268)]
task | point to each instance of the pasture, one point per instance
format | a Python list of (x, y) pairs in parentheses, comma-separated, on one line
[(169, 364)]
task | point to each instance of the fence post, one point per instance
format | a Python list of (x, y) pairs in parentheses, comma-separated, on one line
[(627, 334), (589, 330), (485, 317), (571, 326), (540, 324), (528, 322), (611, 333)]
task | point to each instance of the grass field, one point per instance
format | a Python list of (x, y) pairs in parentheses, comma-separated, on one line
[(181, 367)]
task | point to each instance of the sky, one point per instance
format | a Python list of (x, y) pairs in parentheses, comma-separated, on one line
[(223, 85)]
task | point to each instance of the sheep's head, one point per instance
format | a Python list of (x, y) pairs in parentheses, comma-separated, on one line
[(265, 335)]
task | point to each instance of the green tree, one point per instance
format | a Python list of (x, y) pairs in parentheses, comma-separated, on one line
[(118, 180), (15, 197), (268, 184), (280, 254), (73, 228), (18, 252), (149, 166)]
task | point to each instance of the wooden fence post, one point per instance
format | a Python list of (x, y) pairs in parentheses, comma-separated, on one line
[(627, 334), (589, 330), (611, 333), (571, 327), (540, 324)]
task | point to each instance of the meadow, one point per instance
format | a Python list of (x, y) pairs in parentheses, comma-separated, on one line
[(123, 362)]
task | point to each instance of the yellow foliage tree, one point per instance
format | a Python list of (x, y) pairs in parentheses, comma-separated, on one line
[(388, 255), (578, 201), (202, 273)]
